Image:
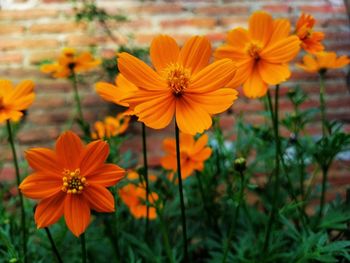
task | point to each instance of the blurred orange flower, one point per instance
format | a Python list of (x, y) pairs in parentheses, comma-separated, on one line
[(193, 154), (69, 181), (116, 93), (183, 84), (68, 62), (111, 126), (134, 196), (310, 40), (261, 53), (14, 100), (321, 61)]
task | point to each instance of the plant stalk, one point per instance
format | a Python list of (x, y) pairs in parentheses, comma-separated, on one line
[(53, 246), (18, 181), (145, 170), (183, 213), (83, 247)]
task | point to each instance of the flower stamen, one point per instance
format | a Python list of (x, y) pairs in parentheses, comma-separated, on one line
[(73, 183), (253, 50), (178, 78)]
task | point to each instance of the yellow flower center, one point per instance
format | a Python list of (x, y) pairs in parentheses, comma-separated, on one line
[(253, 50), (73, 183), (178, 78)]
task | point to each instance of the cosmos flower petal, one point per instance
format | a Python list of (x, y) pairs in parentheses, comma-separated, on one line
[(44, 160), (231, 52), (39, 185), (69, 149), (10, 115), (24, 88), (200, 143), (214, 102), (107, 175), (169, 145), (195, 54), (238, 37), (282, 51), (255, 87), (169, 162), (93, 157), (212, 77), (163, 51), (76, 213), (281, 30), (185, 120), (260, 27), (139, 73), (6, 87), (273, 73), (99, 198), (244, 69), (202, 155), (21, 103), (49, 210)]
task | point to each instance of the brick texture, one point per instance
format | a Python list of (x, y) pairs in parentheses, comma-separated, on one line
[(35, 30)]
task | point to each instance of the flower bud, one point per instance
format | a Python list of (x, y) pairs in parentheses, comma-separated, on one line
[(240, 164)]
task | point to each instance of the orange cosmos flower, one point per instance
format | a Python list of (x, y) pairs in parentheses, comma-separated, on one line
[(261, 53), (134, 196), (14, 100), (322, 61), (111, 126), (69, 181), (117, 93), (192, 154), (68, 62), (310, 40), (182, 85)]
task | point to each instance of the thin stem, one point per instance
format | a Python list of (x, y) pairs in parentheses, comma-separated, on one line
[(53, 246), (183, 213), (233, 225), (145, 170), (323, 105), (18, 181), (165, 236), (83, 247), (274, 118), (323, 192), (82, 122)]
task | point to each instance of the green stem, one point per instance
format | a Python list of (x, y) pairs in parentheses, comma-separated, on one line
[(18, 180), (183, 213), (274, 118), (83, 247), (53, 246), (323, 105), (233, 225), (145, 167), (323, 192), (82, 122), (165, 236)]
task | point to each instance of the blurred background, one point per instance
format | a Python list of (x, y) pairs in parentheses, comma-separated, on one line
[(35, 31)]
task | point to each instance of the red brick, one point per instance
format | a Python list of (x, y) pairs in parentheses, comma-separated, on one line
[(25, 14), (8, 29), (160, 8), (11, 57), (39, 134), (49, 101), (85, 40), (185, 22), (37, 57), (28, 43), (277, 8), (322, 9), (57, 27), (233, 22), (221, 10), (215, 37)]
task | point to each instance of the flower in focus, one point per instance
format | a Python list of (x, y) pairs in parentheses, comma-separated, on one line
[(193, 154), (13, 100), (111, 126), (261, 53), (68, 62), (321, 61), (116, 93), (310, 40), (134, 196), (183, 84), (69, 181)]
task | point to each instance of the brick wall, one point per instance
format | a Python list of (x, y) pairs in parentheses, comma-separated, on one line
[(34, 30)]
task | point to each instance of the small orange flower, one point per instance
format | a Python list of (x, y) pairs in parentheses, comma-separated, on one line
[(69, 62), (261, 53), (69, 181), (310, 40), (117, 93), (193, 154), (14, 100), (183, 84), (111, 126), (134, 196), (321, 61)]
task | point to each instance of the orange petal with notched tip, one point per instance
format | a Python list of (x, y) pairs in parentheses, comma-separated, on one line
[(273, 73), (76, 213), (93, 157), (49, 210), (107, 175), (99, 198)]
